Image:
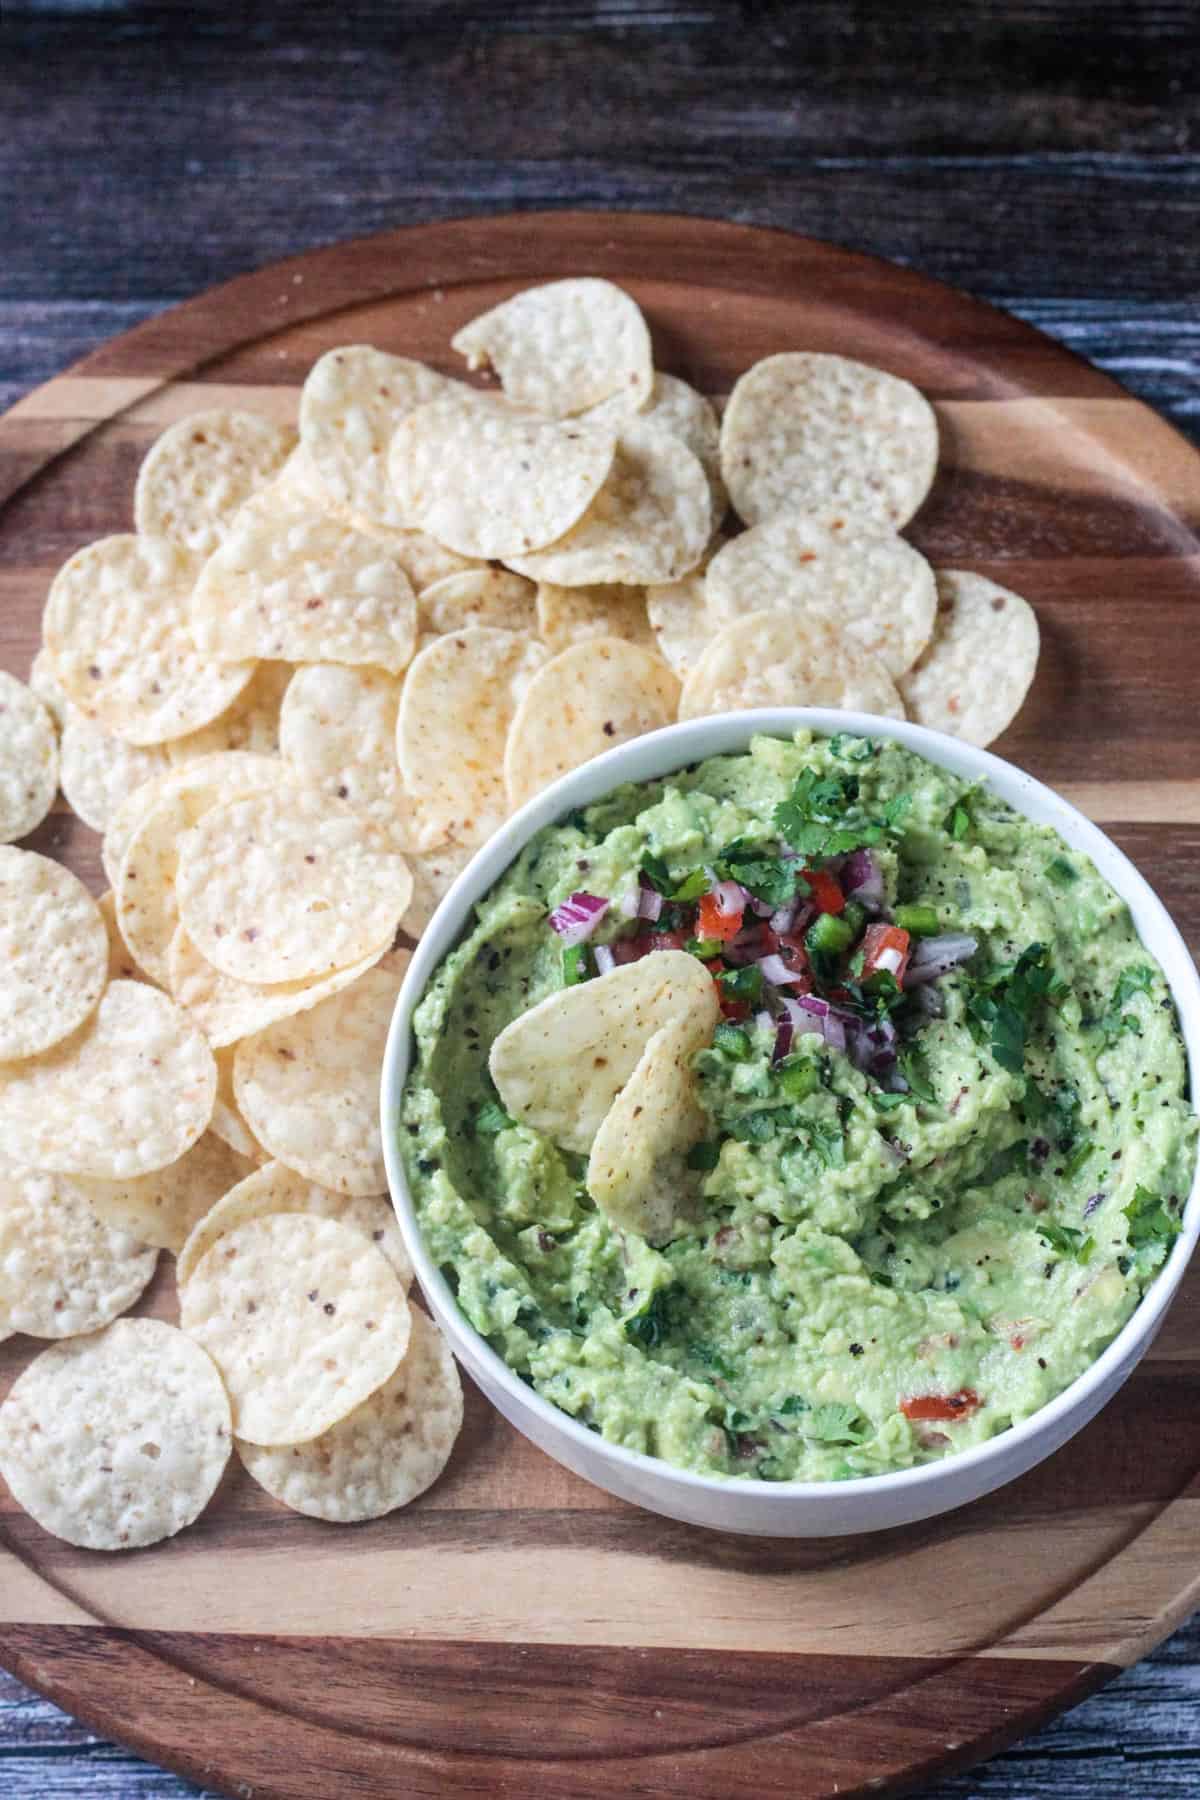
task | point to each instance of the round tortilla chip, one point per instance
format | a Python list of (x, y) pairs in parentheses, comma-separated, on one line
[(337, 729), (227, 1010), (560, 1066), (637, 1171), (250, 724), (457, 705), (563, 347), (973, 678), (308, 1087), (686, 414), (117, 1440), (384, 1453), (53, 953), (837, 440), (567, 616), (144, 888), (779, 659), (286, 886), (63, 1269), (680, 618), (128, 1093), (490, 481), (489, 597), (353, 400), (98, 772), (227, 1122), (48, 688), (117, 623), (422, 558), (28, 759), (292, 585), (434, 872), (650, 522), (202, 469), (879, 591), (304, 1319), (254, 770), (582, 702), (274, 1189), (162, 1208)]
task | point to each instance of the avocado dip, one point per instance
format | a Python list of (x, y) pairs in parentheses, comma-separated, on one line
[(944, 1132)]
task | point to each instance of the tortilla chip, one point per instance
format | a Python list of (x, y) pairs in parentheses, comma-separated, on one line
[(162, 1209), (973, 678), (567, 616), (637, 1171), (28, 759), (53, 953), (777, 659), (337, 730), (251, 723), (587, 700), (560, 1066), (836, 440), (63, 1269), (484, 596), (563, 347), (202, 470)]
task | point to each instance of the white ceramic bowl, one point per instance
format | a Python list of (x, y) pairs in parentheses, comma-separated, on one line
[(796, 1508)]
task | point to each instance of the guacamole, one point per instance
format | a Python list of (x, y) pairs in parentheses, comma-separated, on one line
[(945, 1135)]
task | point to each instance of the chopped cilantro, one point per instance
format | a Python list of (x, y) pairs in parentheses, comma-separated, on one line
[(1004, 1004), (769, 878), (650, 1325), (788, 1409), (827, 1142), (1075, 1161), (1149, 1220), (691, 887), (704, 1155), (656, 874), (1066, 1240), (1137, 980), (742, 984), (1061, 872), (959, 823), (754, 1127), (712, 1359), (912, 1067), (822, 817), (835, 1423), (732, 1041), (886, 1102), (574, 965), (492, 1118), (851, 749), (797, 1077)]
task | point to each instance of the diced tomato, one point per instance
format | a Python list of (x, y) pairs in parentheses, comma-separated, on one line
[(713, 923), (885, 950), (827, 895), (941, 1406), (733, 1010), (791, 948)]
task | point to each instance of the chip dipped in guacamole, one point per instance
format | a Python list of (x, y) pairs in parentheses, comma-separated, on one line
[(879, 1186)]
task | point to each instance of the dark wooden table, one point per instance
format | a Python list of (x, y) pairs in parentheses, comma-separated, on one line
[(1041, 153)]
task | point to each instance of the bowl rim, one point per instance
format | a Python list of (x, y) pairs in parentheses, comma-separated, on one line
[(675, 748)]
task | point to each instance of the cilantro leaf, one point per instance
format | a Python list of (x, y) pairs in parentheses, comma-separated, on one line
[(649, 1326), (1066, 1240), (835, 1423), (691, 887), (656, 874), (789, 1408), (754, 1127), (704, 1155), (959, 823), (1137, 980), (851, 749), (769, 878), (912, 1067), (492, 1118), (711, 1358), (1149, 1220), (1005, 1004), (821, 816), (827, 1142), (1062, 872), (732, 1040)]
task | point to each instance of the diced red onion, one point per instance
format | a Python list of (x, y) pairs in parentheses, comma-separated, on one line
[(577, 918), (862, 880), (745, 948), (809, 1013), (873, 1046), (1093, 1202), (783, 1038), (606, 962), (650, 903), (629, 902), (783, 918), (730, 897), (762, 909), (776, 971), (763, 1020), (936, 956)]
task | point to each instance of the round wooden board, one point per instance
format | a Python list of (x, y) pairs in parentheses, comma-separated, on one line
[(516, 1631)]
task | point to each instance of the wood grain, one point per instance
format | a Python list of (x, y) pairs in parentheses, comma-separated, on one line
[(514, 1631)]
